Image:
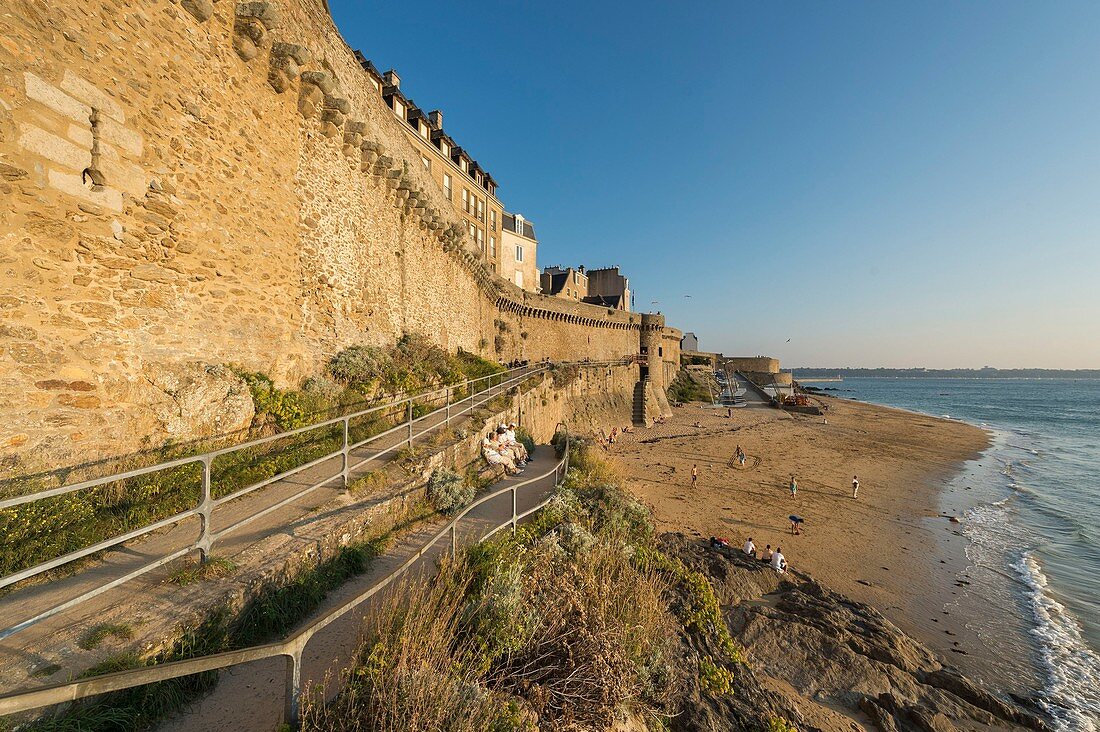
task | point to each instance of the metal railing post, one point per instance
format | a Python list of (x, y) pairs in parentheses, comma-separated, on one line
[(513, 510), (409, 419), (206, 507), (345, 452), (454, 541), (293, 689), (448, 422)]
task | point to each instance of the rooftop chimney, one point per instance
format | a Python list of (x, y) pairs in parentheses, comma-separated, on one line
[(436, 118), (392, 79)]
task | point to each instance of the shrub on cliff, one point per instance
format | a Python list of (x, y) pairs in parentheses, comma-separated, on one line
[(448, 492), (360, 365), (284, 408)]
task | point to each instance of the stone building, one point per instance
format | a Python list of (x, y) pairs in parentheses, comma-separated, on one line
[(607, 287), (469, 187), (519, 249), (690, 342), (565, 282)]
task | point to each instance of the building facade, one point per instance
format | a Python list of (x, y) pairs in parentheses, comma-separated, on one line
[(690, 342), (607, 287), (565, 282), (469, 187), (519, 249)]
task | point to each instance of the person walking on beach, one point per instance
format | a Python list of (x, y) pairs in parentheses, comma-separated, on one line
[(855, 487), (794, 487), (694, 475)]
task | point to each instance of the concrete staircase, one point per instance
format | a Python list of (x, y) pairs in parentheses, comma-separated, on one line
[(639, 414)]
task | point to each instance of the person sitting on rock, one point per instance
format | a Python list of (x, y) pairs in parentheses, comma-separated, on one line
[(779, 562), (750, 548), (766, 556)]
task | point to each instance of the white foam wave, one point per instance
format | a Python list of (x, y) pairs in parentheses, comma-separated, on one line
[(1072, 696)]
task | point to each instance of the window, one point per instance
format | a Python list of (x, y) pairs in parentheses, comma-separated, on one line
[(481, 239), (466, 200), (480, 209), (519, 253), (447, 186), (423, 130), (492, 246), (493, 217), (427, 163), (519, 279), (464, 165), (445, 148), (398, 108)]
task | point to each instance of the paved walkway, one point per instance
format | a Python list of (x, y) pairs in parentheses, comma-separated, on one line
[(250, 697), (52, 640)]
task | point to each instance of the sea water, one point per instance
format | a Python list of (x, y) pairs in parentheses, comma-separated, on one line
[(1031, 508)]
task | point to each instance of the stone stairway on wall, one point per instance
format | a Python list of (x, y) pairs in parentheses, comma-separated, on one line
[(639, 412)]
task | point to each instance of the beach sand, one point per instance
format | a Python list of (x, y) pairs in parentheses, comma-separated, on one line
[(891, 548)]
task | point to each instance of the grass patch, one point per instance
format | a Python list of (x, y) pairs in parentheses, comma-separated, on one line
[(197, 571), (99, 633), (684, 388)]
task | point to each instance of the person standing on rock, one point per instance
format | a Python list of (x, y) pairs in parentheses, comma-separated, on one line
[(794, 487), (855, 487), (694, 475)]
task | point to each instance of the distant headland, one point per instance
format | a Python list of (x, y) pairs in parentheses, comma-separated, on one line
[(922, 373)]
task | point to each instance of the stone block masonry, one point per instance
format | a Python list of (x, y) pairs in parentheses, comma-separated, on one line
[(188, 184)]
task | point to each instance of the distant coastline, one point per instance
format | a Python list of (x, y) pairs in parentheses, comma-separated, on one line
[(919, 373)]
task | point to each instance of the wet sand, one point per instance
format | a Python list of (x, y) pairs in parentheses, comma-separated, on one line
[(890, 548)]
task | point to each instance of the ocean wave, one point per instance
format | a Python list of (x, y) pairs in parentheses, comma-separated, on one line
[(1072, 695)]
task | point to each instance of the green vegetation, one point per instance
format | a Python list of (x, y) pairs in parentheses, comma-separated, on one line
[(524, 437), (448, 492), (565, 625), (96, 635), (775, 724), (685, 388), (195, 571)]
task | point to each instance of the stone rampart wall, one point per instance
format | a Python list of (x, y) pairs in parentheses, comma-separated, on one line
[(188, 182), (754, 364)]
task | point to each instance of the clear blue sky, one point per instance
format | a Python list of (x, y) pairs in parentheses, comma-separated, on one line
[(883, 183)]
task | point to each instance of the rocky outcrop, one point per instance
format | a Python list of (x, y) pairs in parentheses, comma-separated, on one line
[(834, 655), (191, 400)]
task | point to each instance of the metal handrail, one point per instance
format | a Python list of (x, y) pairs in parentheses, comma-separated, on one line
[(294, 646), (207, 537)]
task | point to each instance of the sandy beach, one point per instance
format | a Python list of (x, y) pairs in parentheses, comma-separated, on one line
[(891, 547)]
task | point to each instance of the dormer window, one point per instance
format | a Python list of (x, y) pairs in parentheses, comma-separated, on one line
[(445, 149), (464, 165), (423, 130), (398, 108)]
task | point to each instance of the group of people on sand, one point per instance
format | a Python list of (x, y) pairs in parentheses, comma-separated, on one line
[(500, 447), (613, 435)]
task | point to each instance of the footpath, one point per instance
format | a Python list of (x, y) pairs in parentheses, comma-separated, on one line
[(250, 697), (149, 605)]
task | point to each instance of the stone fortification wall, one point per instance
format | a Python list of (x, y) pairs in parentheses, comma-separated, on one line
[(753, 364), (188, 184)]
